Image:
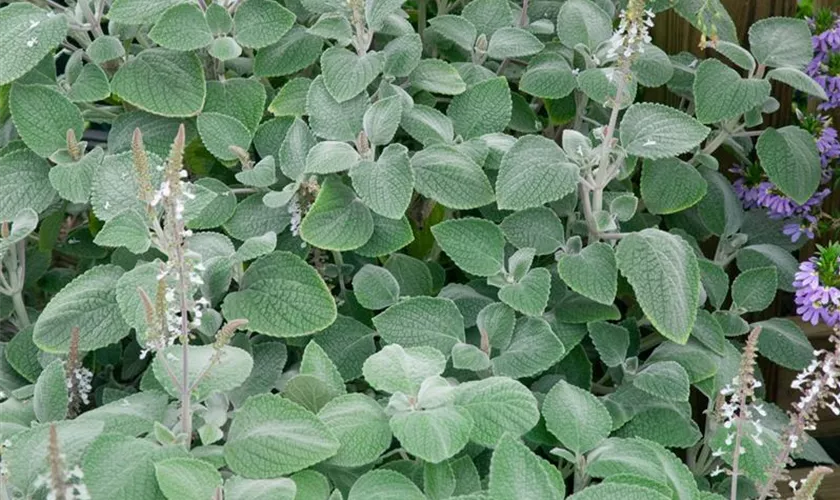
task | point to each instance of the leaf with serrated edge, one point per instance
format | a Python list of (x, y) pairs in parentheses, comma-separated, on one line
[(656, 131), (791, 160), (42, 116), (88, 303), (27, 35), (187, 478), (386, 185), (433, 435), (271, 436), (422, 321), (663, 271), (360, 425), (576, 417), (394, 369), (498, 405), (162, 82), (534, 172), (475, 245), (383, 483), (375, 287), (517, 472), (591, 273), (338, 220), (533, 348), (282, 296)]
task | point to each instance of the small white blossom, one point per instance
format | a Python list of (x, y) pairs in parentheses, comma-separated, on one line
[(631, 35)]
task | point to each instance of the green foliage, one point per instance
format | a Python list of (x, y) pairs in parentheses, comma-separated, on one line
[(384, 249)]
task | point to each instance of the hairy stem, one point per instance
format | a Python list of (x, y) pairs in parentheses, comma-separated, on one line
[(17, 265)]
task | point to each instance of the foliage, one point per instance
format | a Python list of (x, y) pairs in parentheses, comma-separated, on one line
[(319, 249)]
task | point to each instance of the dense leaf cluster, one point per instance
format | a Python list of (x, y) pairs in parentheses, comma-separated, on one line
[(436, 251)]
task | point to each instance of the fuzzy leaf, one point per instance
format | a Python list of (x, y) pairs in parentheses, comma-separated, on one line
[(382, 119), (781, 41), (497, 405), (538, 228), (548, 76), (333, 120), (791, 160), (162, 82), (670, 186), (260, 23), (433, 435), (51, 399), (27, 35), (296, 50), (665, 379), (484, 108), (721, 94), (24, 183), (436, 76), (338, 220), (655, 131), (530, 294), (611, 341), (88, 303), (271, 436), (445, 174), (798, 80), (517, 473), (783, 342), (42, 117), (394, 369), (475, 245), (219, 132), (576, 417), (534, 172), (582, 21), (591, 273), (182, 27), (387, 184), (282, 296), (422, 321), (187, 478), (375, 287), (382, 484), (509, 42), (360, 426), (754, 289), (329, 157), (230, 367), (347, 74), (663, 271), (533, 348), (239, 488)]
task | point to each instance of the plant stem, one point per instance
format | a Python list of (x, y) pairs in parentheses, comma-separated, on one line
[(736, 455), (523, 17), (17, 266), (604, 173), (339, 263), (580, 474), (421, 17)]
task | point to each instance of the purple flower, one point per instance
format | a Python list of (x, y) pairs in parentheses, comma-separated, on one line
[(795, 230), (815, 299)]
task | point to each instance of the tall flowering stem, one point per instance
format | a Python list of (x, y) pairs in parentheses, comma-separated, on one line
[(819, 383), (737, 409), (62, 484), (169, 315), (627, 42), (78, 377)]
